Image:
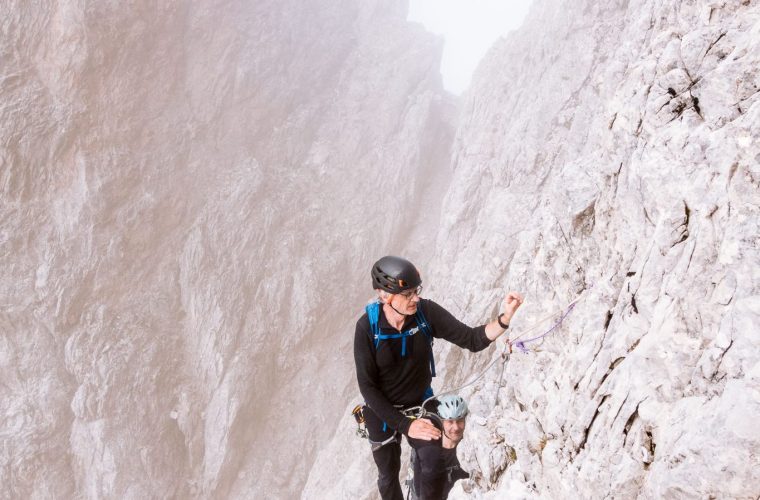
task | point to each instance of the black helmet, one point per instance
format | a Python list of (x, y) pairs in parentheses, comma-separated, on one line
[(394, 275)]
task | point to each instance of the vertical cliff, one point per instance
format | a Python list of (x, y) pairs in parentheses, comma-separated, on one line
[(190, 194), (609, 152)]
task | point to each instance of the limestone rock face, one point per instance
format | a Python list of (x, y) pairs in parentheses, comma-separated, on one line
[(191, 197), (613, 151), (608, 153)]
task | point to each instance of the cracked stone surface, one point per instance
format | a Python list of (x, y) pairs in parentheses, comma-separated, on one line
[(609, 151), (626, 138), (190, 203)]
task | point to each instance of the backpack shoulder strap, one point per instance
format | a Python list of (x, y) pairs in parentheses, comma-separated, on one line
[(422, 322), (373, 315)]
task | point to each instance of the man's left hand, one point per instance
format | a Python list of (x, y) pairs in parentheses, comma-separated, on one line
[(512, 302)]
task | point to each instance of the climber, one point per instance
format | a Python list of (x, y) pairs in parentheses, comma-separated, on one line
[(436, 467), (394, 361)]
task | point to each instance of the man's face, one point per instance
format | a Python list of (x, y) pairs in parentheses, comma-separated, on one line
[(406, 301), (454, 429)]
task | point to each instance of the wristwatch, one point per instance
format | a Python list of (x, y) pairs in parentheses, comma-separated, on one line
[(498, 319)]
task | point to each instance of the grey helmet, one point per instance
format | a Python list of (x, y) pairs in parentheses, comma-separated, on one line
[(394, 275), (452, 407)]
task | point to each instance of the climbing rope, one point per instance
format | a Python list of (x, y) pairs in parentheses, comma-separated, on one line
[(520, 344), (501, 378), (419, 411), (564, 312)]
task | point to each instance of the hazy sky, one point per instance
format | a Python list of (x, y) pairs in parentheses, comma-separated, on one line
[(470, 28)]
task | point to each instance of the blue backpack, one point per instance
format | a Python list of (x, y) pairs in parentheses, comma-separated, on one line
[(373, 314)]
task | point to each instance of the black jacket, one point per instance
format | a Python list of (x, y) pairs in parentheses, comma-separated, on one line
[(436, 469), (386, 378)]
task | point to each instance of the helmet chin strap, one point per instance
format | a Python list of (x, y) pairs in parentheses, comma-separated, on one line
[(405, 315), (399, 312)]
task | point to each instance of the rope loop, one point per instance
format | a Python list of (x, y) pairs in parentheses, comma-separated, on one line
[(509, 345)]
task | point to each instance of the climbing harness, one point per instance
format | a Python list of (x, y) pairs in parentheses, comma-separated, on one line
[(361, 423), (376, 445), (361, 429)]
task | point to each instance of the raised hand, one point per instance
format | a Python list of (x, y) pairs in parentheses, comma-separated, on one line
[(512, 302)]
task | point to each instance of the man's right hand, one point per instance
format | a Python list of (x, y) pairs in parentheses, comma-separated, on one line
[(424, 429)]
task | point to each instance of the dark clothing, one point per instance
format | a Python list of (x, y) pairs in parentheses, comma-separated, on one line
[(386, 378), (387, 457), (436, 469)]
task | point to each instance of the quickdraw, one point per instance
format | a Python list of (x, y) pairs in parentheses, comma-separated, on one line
[(361, 426)]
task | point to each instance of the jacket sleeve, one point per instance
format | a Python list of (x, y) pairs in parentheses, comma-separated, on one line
[(447, 327), (368, 378)]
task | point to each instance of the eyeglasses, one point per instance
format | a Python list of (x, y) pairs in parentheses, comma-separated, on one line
[(408, 294)]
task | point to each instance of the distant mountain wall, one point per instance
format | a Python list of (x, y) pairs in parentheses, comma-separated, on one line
[(191, 195)]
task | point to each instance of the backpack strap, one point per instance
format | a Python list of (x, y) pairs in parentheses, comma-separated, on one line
[(402, 336), (425, 326), (373, 315)]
